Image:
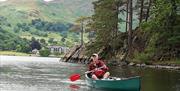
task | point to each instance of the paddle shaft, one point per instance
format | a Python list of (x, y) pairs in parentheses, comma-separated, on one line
[(91, 71), (77, 76)]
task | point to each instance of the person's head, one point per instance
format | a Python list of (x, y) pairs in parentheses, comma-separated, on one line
[(95, 58)]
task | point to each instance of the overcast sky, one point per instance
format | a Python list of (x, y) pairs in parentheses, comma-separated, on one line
[(44, 0), (2, 0)]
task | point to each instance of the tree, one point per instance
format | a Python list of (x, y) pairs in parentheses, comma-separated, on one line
[(23, 48), (148, 10), (105, 24), (143, 7), (33, 39), (130, 15), (35, 44), (63, 39), (51, 40), (105, 20), (43, 41), (141, 11), (44, 52), (16, 29), (81, 23), (162, 29)]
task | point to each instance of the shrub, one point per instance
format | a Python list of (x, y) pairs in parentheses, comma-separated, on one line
[(44, 52)]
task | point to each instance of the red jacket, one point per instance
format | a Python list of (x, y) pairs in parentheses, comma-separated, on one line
[(99, 73)]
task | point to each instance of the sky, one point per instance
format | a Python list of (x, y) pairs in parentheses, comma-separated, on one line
[(2, 0), (44, 0)]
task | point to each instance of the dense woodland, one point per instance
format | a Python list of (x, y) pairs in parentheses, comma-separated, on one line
[(155, 38)]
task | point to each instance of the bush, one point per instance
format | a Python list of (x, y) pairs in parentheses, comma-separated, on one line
[(141, 57), (57, 53), (23, 48), (44, 52)]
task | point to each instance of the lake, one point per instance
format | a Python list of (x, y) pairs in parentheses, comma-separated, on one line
[(48, 74)]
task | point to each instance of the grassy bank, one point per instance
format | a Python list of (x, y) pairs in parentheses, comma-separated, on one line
[(12, 53), (169, 62), (175, 61)]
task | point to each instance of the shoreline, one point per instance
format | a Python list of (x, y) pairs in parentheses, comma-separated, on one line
[(25, 58), (155, 66), (160, 66), (131, 64), (13, 53)]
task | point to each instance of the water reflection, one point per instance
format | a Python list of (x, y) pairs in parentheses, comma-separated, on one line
[(152, 79), (43, 74), (74, 87)]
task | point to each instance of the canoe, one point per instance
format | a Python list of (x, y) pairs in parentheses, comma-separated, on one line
[(116, 84)]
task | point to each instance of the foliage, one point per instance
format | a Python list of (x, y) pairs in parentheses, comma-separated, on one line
[(23, 26), (9, 41), (158, 36), (57, 53), (163, 27), (22, 20), (105, 24), (142, 57), (63, 39), (35, 44), (50, 26), (43, 41), (23, 48), (51, 40), (44, 52)]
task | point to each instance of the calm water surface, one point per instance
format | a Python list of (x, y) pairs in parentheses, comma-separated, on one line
[(48, 74)]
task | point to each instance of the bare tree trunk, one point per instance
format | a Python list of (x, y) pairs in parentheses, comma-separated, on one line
[(116, 27), (141, 12), (127, 16), (130, 16), (148, 9), (82, 31), (117, 13)]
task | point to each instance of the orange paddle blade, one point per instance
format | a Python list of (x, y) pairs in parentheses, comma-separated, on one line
[(74, 77)]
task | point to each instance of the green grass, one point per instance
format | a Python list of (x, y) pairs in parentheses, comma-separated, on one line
[(13, 53), (61, 11), (172, 61), (138, 59)]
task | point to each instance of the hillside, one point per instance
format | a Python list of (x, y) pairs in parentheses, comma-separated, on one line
[(47, 20), (57, 10)]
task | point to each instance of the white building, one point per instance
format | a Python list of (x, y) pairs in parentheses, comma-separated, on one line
[(58, 49), (35, 51)]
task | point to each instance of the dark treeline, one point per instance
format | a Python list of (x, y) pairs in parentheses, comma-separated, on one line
[(155, 38), (43, 26), (50, 26)]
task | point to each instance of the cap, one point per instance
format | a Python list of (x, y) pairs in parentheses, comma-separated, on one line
[(96, 55)]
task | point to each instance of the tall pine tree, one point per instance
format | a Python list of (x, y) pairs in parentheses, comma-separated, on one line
[(105, 22)]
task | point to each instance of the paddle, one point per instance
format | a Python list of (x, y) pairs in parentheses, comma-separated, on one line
[(75, 77)]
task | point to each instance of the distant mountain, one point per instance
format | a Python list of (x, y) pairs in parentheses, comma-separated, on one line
[(42, 19), (49, 10)]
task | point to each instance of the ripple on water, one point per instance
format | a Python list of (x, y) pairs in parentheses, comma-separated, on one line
[(78, 82)]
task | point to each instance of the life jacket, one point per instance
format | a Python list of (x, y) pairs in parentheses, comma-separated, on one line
[(100, 72)]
